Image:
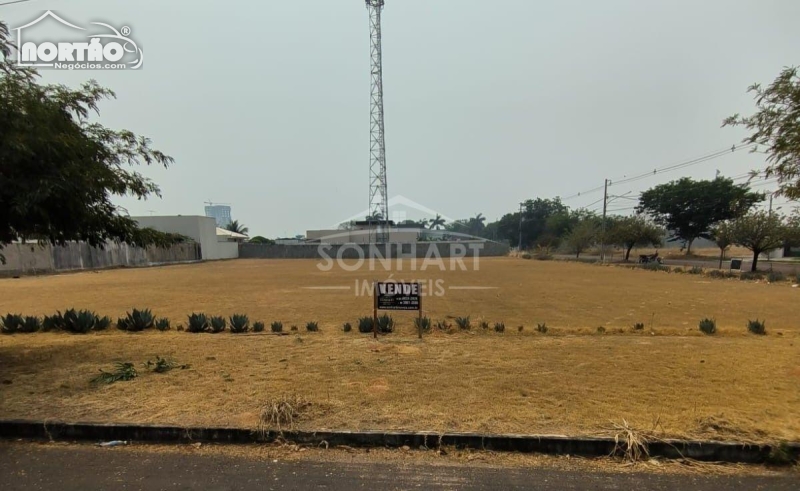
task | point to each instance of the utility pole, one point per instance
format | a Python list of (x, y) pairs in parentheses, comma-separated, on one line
[(605, 209), (519, 247)]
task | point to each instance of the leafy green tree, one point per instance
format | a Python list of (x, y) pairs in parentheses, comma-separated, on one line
[(759, 232), (688, 209), (722, 235), (776, 129), (59, 169), (634, 231), (535, 228), (583, 236), (237, 227), (258, 239)]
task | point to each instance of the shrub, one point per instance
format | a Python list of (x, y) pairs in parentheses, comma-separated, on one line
[(162, 324), (276, 326), (139, 320), (695, 270), (484, 325), (776, 276), (542, 328), (122, 371), (442, 325), (53, 322), (79, 322), (239, 323), (601, 330), (197, 323), (542, 254), (365, 324), (12, 323), (678, 270), (312, 326), (423, 323), (639, 326), (654, 267), (751, 275), (757, 327), (217, 324), (30, 324), (347, 327), (102, 323), (525, 255), (385, 324), (463, 323), (259, 326), (499, 327), (122, 323), (520, 328), (708, 326), (293, 328), (716, 273)]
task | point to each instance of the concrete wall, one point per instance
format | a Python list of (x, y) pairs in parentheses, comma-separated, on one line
[(351, 251), (26, 259), (360, 236), (202, 230)]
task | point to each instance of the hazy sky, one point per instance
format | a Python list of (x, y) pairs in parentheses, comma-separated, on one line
[(265, 105)]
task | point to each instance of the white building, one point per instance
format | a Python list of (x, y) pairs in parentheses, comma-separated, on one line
[(215, 243), (220, 213)]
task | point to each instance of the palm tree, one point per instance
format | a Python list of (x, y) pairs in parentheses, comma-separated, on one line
[(237, 227), (476, 225), (437, 223)]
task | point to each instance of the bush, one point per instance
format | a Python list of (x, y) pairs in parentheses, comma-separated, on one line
[(542, 254), (442, 325), (385, 324), (122, 323), (347, 327), (776, 276), (423, 323), (197, 323), (708, 326), (79, 322), (639, 326), (239, 323), (259, 326), (716, 273), (695, 270), (365, 324), (12, 323), (677, 270), (30, 324), (542, 328), (757, 327), (312, 326), (520, 328), (217, 324), (654, 267), (139, 320), (601, 330), (463, 323), (525, 255), (162, 324), (751, 275), (276, 326), (484, 325), (53, 322), (499, 327), (102, 323)]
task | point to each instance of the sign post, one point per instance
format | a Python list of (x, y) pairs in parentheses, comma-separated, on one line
[(396, 295)]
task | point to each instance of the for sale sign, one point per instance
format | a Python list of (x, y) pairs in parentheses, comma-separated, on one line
[(398, 296)]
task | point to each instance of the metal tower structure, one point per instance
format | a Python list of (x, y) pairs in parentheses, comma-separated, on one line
[(378, 197)]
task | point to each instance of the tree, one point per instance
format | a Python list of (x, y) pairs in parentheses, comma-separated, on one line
[(237, 227), (776, 127), (261, 240), (59, 170), (437, 223), (635, 231), (759, 232), (583, 236), (476, 224), (688, 208), (722, 235)]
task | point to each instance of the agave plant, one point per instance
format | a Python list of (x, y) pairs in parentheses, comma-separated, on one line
[(162, 324), (365, 324), (463, 323), (312, 326), (385, 324), (258, 326), (53, 322), (122, 323), (30, 324), (12, 323), (423, 323), (79, 322), (197, 323), (499, 327), (139, 320), (347, 327), (102, 323), (239, 323), (276, 326), (217, 324)]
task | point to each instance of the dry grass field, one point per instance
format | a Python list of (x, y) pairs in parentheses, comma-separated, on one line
[(571, 380)]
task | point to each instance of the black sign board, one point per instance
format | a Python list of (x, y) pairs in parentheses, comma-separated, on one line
[(398, 296), (736, 264)]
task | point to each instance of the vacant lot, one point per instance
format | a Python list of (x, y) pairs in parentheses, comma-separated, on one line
[(570, 380)]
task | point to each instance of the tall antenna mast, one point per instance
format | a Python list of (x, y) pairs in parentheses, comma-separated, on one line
[(378, 197)]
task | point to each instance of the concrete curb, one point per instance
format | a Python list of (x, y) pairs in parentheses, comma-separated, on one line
[(546, 444)]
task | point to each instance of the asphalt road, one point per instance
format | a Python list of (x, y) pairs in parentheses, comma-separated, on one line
[(81, 468)]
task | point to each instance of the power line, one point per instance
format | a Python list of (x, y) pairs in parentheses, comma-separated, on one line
[(15, 1)]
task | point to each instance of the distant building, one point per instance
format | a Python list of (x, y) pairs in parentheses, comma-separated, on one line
[(215, 243), (220, 213)]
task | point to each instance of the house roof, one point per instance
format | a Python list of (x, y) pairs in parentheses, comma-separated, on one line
[(227, 233)]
